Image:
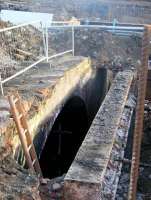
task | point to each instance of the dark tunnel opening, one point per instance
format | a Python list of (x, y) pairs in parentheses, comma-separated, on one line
[(65, 138)]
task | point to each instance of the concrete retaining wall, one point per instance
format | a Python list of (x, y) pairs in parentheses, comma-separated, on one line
[(86, 177)]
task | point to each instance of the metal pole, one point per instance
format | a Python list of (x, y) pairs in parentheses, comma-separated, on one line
[(44, 39), (47, 45), (138, 131), (73, 42), (1, 85)]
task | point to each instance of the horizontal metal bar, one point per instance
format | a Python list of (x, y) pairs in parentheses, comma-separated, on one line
[(125, 32), (22, 71), (59, 54), (60, 22), (104, 27), (127, 35), (18, 26), (141, 28), (88, 22), (85, 22)]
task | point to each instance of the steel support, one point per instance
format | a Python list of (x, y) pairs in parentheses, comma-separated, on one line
[(73, 41), (1, 85), (44, 39), (138, 131), (47, 44)]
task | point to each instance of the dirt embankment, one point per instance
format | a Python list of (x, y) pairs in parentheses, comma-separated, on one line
[(19, 47), (122, 10), (105, 49)]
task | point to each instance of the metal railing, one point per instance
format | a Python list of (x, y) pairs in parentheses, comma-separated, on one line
[(37, 29), (13, 48)]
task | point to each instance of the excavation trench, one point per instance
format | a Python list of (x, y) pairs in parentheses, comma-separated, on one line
[(65, 138), (61, 103), (71, 125)]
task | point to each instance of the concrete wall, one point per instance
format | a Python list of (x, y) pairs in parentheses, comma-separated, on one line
[(95, 170)]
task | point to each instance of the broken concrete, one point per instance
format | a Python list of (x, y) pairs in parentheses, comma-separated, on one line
[(86, 175)]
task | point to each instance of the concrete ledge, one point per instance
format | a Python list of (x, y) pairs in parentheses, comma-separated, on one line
[(44, 92), (85, 177)]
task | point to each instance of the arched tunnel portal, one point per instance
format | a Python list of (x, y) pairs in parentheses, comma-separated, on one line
[(65, 138)]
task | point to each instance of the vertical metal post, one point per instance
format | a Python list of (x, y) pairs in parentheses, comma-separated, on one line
[(1, 85), (138, 131), (73, 41), (44, 39), (47, 43)]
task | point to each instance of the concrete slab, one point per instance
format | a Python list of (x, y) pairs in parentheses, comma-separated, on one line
[(85, 176)]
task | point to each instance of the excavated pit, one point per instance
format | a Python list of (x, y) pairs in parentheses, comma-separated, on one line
[(71, 126), (61, 104), (65, 138)]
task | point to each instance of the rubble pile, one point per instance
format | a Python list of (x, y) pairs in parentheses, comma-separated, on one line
[(7, 65), (52, 189), (14, 5), (115, 165), (27, 39), (15, 182), (19, 47), (108, 50), (105, 49), (144, 182)]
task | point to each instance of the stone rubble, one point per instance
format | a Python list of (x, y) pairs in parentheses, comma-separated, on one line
[(15, 182), (104, 49), (114, 167), (19, 47), (144, 182), (14, 5), (52, 189)]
